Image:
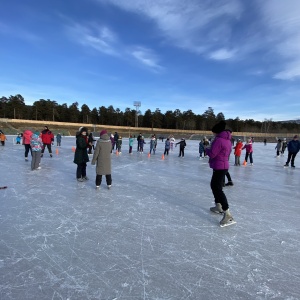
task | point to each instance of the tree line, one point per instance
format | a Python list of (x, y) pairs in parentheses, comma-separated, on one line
[(14, 107)]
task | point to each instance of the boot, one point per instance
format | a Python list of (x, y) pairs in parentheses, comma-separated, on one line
[(227, 219), (217, 209)]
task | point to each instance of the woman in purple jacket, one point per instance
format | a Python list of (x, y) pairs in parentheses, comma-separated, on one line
[(218, 160)]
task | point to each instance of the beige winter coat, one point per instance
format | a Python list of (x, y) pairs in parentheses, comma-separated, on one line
[(102, 155)]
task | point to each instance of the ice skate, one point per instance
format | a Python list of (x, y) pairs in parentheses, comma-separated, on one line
[(229, 183), (80, 180), (286, 165), (217, 209), (97, 187), (109, 186), (85, 178), (227, 219)]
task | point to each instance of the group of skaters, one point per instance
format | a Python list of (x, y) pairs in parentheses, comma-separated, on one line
[(218, 150), (35, 143)]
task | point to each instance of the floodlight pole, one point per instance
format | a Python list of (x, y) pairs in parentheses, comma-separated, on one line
[(137, 105)]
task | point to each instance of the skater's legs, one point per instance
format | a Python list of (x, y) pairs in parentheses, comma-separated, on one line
[(216, 185), (98, 180), (108, 179), (251, 159)]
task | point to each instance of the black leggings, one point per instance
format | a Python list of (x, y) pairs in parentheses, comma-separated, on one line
[(27, 148), (216, 185)]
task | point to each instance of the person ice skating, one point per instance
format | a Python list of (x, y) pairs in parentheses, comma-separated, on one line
[(237, 152), (112, 139), (36, 145), (265, 142), (218, 160), (205, 144), (278, 147), (58, 139), (131, 139), (48, 139), (201, 149), (138, 142), (26, 142), (172, 142), (116, 137), (182, 145), (3, 138), (81, 156), (153, 144), (293, 148), (249, 151), (119, 144), (167, 146), (141, 144), (91, 142), (102, 159), (284, 145), (18, 140)]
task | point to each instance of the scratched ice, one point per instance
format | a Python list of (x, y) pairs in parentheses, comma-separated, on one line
[(151, 236)]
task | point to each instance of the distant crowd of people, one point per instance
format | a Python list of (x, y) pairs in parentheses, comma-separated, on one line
[(218, 151)]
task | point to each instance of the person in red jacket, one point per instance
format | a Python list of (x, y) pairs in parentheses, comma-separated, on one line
[(26, 142), (47, 138), (237, 152)]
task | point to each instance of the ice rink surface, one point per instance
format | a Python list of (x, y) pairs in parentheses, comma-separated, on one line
[(152, 235)]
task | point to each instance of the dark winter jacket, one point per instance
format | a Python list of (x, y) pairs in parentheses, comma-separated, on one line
[(81, 155), (294, 146), (182, 144), (219, 151), (167, 145)]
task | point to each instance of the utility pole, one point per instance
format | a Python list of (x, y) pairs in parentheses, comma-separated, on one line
[(137, 105)]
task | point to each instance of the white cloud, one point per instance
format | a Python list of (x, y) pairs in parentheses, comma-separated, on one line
[(100, 38), (282, 21), (146, 57), (222, 54), (290, 72), (187, 23)]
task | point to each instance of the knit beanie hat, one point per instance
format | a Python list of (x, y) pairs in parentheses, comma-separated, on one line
[(219, 127), (103, 132)]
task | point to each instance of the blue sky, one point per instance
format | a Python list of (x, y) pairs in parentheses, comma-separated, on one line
[(241, 58)]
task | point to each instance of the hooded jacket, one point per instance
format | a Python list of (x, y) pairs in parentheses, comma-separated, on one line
[(81, 155), (219, 151), (102, 155), (36, 142), (47, 136), (238, 148), (26, 137)]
